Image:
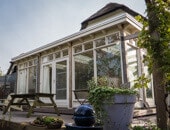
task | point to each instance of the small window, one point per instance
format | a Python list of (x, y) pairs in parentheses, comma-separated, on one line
[(77, 49), (57, 55), (21, 66), (44, 59), (35, 61), (25, 64), (113, 38), (65, 52), (88, 45), (100, 42), (50, 57), (30, 63)]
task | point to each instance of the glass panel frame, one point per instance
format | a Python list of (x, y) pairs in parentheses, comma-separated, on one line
[(84, 69), (78, 48), (61, 80), (108, 64), (100, 42)]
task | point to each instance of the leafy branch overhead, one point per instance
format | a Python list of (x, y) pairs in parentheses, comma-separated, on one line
[(141, 82), (157, 45), (155, 39)]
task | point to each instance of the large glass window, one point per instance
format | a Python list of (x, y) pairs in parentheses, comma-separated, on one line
[(84, 70), (22, 83), (32, 80), (132, 63), (47, 79), (61, 80), (27, 77), (108, 62)]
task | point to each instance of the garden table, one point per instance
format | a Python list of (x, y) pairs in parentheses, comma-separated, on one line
[(35, 97)]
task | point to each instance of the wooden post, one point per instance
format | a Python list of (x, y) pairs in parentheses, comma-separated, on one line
[(123, 53), (38, 73), (70, 75)]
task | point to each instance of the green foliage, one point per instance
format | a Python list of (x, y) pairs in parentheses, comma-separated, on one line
[(141, 82), (155, 35), (101, 92), (155, 39), (46, 120), (147, 126)]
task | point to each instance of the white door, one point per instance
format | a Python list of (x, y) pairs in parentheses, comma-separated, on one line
[(61, 82), (47, 79), (22, 81)]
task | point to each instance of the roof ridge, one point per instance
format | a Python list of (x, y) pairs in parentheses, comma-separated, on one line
[(108, 8)]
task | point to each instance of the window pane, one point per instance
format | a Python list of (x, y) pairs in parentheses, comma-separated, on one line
[(30, 63), (35, 61), (88, 45), (32, 80), (83, 69), (65, 52), (109, 64), (50, 57), (100, 42), (149, 90), (44, 59), (22, 76), (47, 79), (57, 55), (78, 49), (61, 80), (132, 63), (112, 38)]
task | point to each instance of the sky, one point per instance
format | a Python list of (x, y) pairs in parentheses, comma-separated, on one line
[(28, 24)]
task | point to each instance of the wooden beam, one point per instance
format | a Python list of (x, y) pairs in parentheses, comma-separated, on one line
[(131, 36)]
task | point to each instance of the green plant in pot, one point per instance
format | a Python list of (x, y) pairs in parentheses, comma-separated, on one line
[(48, 121), (110, 102)]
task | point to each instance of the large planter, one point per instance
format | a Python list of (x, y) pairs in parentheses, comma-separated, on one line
[(120, 113)]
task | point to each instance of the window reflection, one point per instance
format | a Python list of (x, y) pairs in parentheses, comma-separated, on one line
[(83, 69), (109, 64), (100, 42), (47, 79), (61, 80), (132, 63), (32, 80)]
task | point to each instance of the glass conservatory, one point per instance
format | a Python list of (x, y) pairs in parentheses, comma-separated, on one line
[(106, 46)]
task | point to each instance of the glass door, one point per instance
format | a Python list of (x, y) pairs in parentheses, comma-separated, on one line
[(47, 79), (61, 82)]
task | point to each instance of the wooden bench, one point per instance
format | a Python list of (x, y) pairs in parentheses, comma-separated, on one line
[(36, 101)]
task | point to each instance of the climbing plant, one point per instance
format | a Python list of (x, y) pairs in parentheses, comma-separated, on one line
[(155, 38)]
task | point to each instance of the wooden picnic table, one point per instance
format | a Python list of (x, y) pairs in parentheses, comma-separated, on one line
[(24, 100)]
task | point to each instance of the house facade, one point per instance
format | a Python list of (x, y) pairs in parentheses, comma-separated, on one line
[(105, 46)]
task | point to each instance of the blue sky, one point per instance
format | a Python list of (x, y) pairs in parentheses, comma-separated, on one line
[(28, 24)]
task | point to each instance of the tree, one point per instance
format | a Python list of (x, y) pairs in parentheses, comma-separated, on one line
[(155, 38)]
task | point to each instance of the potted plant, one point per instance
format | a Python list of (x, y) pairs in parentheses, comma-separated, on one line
[(113, 106), (48, 121)]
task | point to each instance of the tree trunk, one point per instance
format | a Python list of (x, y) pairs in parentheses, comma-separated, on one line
[(158, 75), (159, 91)]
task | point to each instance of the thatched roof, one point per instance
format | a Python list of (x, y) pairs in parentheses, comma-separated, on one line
[(106, 10)]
